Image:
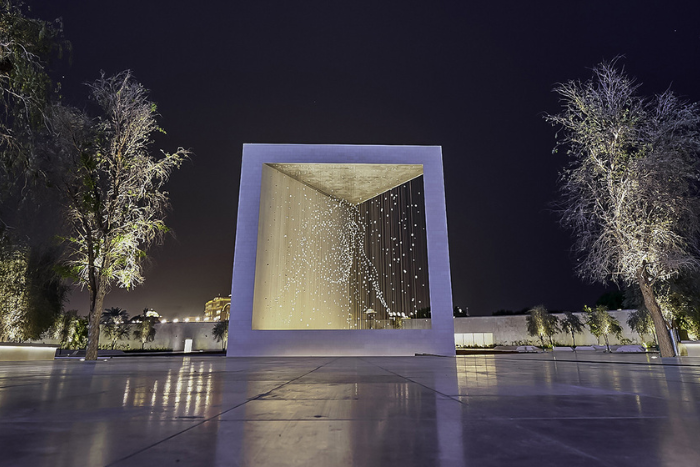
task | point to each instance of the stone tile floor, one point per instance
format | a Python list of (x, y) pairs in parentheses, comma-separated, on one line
[(507, 410)]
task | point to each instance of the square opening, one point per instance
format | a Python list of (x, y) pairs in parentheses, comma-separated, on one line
[(341, 246)]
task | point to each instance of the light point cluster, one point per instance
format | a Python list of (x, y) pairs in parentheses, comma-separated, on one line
[(324, 262)]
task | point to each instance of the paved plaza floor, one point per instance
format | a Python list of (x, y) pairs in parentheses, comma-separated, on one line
[(484, 410)]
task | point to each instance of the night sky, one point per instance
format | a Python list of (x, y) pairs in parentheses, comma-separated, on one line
[(472, 77)]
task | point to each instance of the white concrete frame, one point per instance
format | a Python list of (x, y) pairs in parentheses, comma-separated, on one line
[(244, 341)]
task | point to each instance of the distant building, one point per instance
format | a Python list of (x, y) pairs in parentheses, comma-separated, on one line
[(148, 313), (217, 309)]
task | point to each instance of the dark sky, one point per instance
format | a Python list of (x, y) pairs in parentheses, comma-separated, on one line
[(472, 77)]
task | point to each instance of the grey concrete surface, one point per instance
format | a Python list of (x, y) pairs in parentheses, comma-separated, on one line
[(506, 410)]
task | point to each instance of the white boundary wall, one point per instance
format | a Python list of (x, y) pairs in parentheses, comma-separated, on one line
[(472, 331), (512, 329), (168, 336)]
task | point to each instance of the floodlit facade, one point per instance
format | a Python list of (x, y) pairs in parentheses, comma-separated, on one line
[(217, 309), (337, 247)]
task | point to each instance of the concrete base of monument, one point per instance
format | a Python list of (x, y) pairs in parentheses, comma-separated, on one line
[(689, 348), (341, 343)]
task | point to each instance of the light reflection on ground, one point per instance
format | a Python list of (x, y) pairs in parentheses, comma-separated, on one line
[(471, 410)]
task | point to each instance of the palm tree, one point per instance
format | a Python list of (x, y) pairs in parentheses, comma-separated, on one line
[(220, 333), (114, 324), (114, 315)]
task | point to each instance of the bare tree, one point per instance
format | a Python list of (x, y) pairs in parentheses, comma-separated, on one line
[(112, 188), (630, 190)]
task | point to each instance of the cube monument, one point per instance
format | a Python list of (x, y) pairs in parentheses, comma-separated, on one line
[(341, 250)]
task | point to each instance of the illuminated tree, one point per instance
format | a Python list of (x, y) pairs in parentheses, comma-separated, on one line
[(145, 332), (13, 286), (26, 46), (630, 191), (31, 292), (112, 189), (61, 328), (540, 323), (571, 324), (680, 301), (640, 322), (78, 338), (70, 330), (602, 324), (29, 301)]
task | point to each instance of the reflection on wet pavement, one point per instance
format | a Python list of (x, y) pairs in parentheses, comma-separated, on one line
[(427, 411)]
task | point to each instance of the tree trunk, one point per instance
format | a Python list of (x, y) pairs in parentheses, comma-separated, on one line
[(97, 299), (662, 335)]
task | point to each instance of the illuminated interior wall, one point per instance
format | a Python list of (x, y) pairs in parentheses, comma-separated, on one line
[(395, 253), (323, 262), (303, 264)]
